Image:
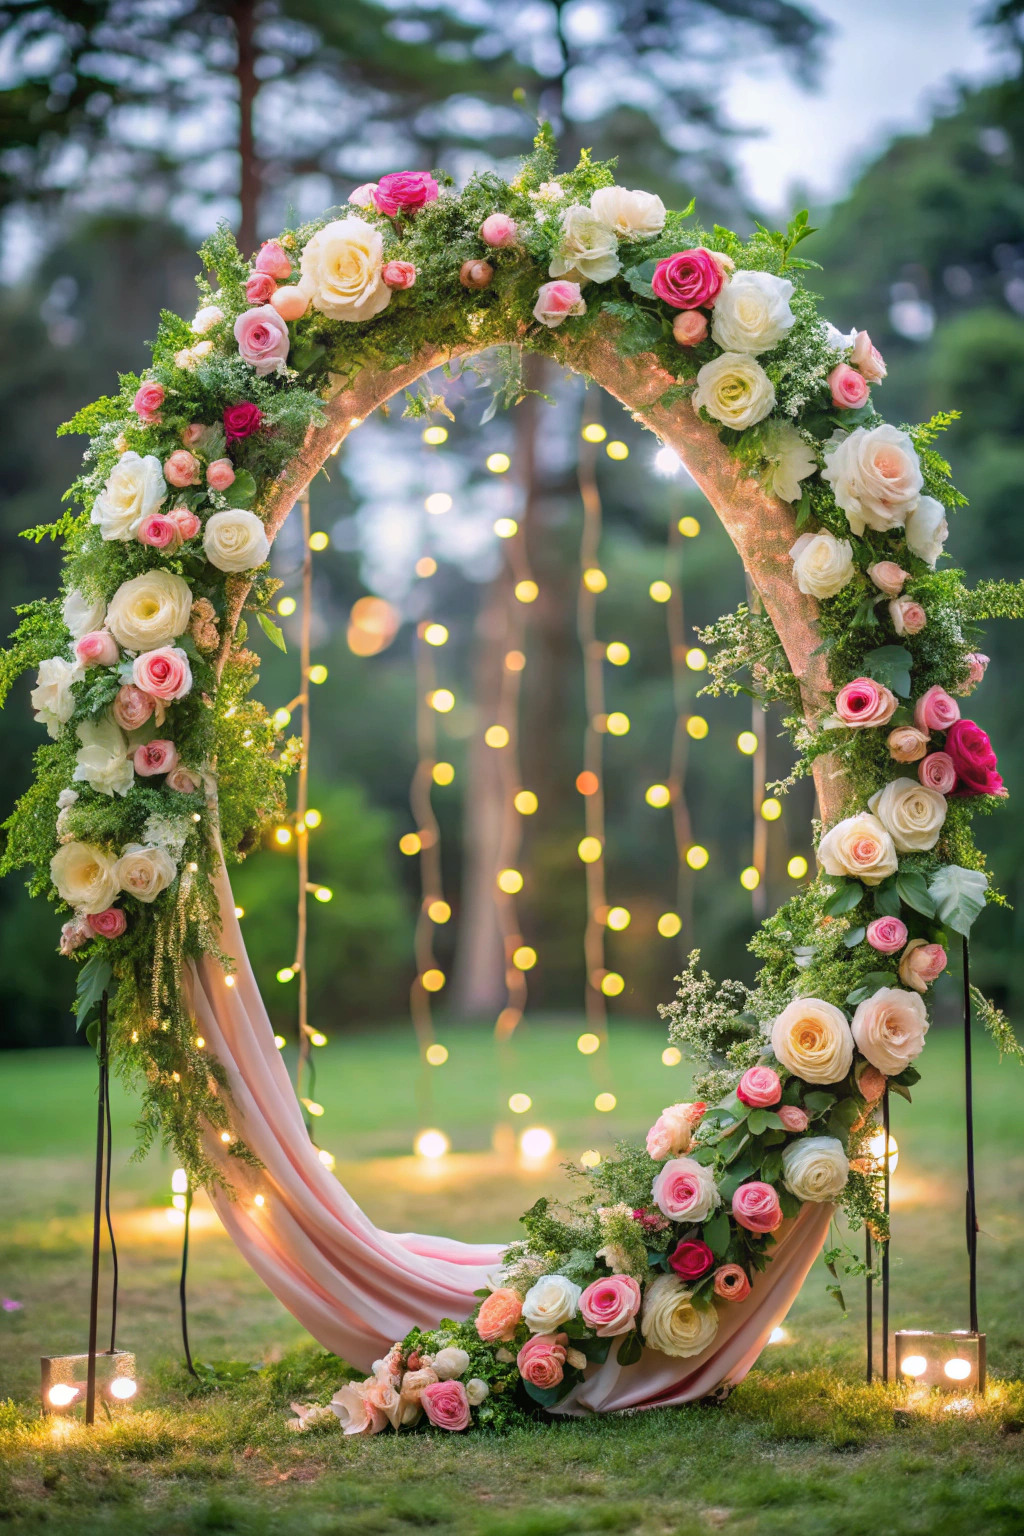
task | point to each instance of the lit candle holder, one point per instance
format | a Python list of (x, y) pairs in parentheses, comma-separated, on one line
[(63, 1379), (947, 1362)]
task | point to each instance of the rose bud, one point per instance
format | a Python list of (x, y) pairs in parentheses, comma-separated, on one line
[(848, 387), (888, 577), (290, 303), (476, 274), (97, 649), (398, 274), (158, 532), (193, 434), (220, 474), (498, 230), (181, 469), (690, 327), (109, 924), (260, 288), (146, 405), (132, 708), (908, 617), (907, 744), (155, 757), (186, 522), (274, 260)]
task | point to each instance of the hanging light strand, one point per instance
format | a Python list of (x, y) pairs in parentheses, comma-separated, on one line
[(429, 835), (759, 765), (302, 805), (682, 827)]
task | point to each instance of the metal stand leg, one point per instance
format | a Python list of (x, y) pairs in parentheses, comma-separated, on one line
[(885, 1250), (972, 1207), (868, 1308), (94, 1295)]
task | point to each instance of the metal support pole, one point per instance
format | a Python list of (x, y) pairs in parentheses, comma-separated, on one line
[(181, 1284), (888, 1244), (972, 1207), (97, 1216), (868, 1308)]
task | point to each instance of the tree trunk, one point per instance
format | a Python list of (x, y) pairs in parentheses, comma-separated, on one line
[(243, 17)]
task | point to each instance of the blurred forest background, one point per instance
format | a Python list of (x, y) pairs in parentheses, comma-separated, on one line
[(123, 125)]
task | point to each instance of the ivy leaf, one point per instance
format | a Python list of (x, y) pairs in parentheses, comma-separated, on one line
[(849, 895), (272, 631), (717, 1234), (890, 665), (242, 490), (887, 899), (869, 985), (630, 1350), (959, 895), (93, 981), (854, 937), (913, 892)]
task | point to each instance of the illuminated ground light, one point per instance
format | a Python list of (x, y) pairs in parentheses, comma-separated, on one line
[(589, 849), (318, 1038), (510, 881), (435, 436), (318, 542), (439, 912), (957, 1370), (519, 1103), (425, 566), (660, 591), (286, 974), (506, 527), (747, 743), (432, 980), (286, 607), (618, 918), (669, 924), (771, 809), (696, 727), (536, 1142), (689, 527), (667, 462), (587, 1044), (658, 795), (750, 879), (526, 591), (914, 1365), (498, 463), (443, 773), (671, 1056), (595, 580), (612, 984), (590, 1159), (123, 1387), (617, 653), (431, 1144), (875, 1146), (496, 736), (442, 700), (438, 502), (587, 783), (525, 802), (61, 1394), (410, 843), (435, 634), (696, 659), (437, 1055), (697, 857), (797, 867), (618, 723), (524, 958), (605, 1102), (617, 450), (593, 432)]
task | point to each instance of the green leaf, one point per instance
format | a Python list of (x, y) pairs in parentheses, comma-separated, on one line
[(803, 510), (854, 937), (757, 1121), (305, 354), (242, 490), (818, 1102), (630, 1350), (913, 892), (959, 895), (717, 1234), (887, 899), (93, 981), (789, 1202), (890, 665), (596, 1350), (272, 631), (869, 985), (849, 895), (771, 1166), (546, 1396), (639, 278), (854, 417)]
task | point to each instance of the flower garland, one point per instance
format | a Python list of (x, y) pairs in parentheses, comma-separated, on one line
[(158, 758)]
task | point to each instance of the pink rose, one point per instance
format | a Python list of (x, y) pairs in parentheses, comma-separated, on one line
[(690, 327), (867, 358), (73, 935), (977, 661), (158, 532), (793, 1117), (184, 780), (759, 1087), (186, 522), (849, 388), (446, 1405), (398, 274), (685, 1190), (689, 280), (732, 1283), (241, 421), (132, 708), (291, 303), (362, 196), (921, 964), (262, 338), (404, 192), (888, 577), (864, 703), (673, 1130), (193, 434), (163, 673), (756, 1207), (541, 1359), (182, 468), (907, 744), (937, 771), (109, 924), (976, 765), (220, 474), (499, 1315), (610, 1305), (146, 405), (556, 301), (691, 1259), (908, 617), (97, 649), (274, 261), (260, 288), (498, 230), (887, 934), (155, 757), (935, 710)]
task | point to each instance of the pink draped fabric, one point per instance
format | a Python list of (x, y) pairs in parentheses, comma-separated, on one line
[(357, 1289)]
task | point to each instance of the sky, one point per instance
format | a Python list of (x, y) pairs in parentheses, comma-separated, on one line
[(885, 63)]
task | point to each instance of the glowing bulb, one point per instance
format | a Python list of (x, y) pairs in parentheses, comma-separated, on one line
[(589, 849), (432, 980), (437, 1055), (498, 463), (515, 661), (536, 1142), (286, 607), (496, 736), (669, 924), (225, 1136), (410, 843), (587, 1044), (280, 1042), (60, 1394), (314, 1108), (605, 1102), (239, 912), (283, 835), (282, 717), (876, 1145), (658, 795), (439, 912), (438, 502), (506, 527), (689, 527), (318, 674), (618, 918), (179, 1181), (519, 1103), (200, 1043), (617, 450), (286, 974), (914, 1365), (442, 699), (590, 1159), (595, 580), (425, 566), (749, 878), (671, 1056), (323, 893), (957, 1370), (747, 743), (123, 1387), (697, 857), (432, 1144), (527, 591), (617, 653), (697, 727), (435, 634), (778, 1336), (593, 432), (524, 958), (435, 436), (317, 1038), (771, 809), (797, 867), (618, 723), (312, 818), (525, 802), (612, 984), (259, 1200), (327, 1158), (443, 773), (229, 981), (696, 659), (587, 783), (667, 462), (178, 1201), (510, 881), (660, 591), (318, 541)]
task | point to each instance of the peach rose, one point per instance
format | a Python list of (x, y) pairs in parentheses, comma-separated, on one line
[(907, 744), (541, 1360), (859, 847), (499, 1316), (888, 577), (220, 474), (731, 1282), (182, 468), (690, 327), (908, 617), (290, 302), (673, 1130), (155, 757), (274, 260), (260, 288), (184, 780), (186, 522), (889, 1029), (812, 1040), (867, 358), (793, 1117), (935, 710), (921, 964), (865, 703), (132, 708), (871, 1083)]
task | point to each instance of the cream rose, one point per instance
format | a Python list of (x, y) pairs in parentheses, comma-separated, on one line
[(628, 213), (813, 1041), (82, 616), (876, 477), (735, 390), (791, 459), (822, 564), (104, 761), (51, 698), (150, 611), (911, 813), (889, 1029), (206, 318), (550, 1303), (752, 312), (815, 1168), (235, 541), (450, 1363), (859, 846), (587, 246), (672, 1132), (341, 268), (85, 876), (135, 487), (144, 871), (927, 530), (671, 1323)]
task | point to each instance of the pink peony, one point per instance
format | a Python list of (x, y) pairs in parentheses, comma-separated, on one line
[(241, 421), (220, 474), (793, 1117), (158, 532), (146, 405), (97, 649), (937, 771), (193, 434), (887, 934), (541, 1359), (404, 192), (865, 703), (732, 1283), (109, 924), (921, 964), (260, 288), (756, 1207), (184, 780), (398, 274), (935, 710), (499, 1315), (849, 388), (262, 338), (155, 757), (691, 1259), (888, 577), (291, 303), (163, 674), (186, 522), (689, 280), (867, 358), (609, 1306), (182, 468), (274, 261), (907, 744), (132, 708), (690, 327), (975, 763), (908, 617), (446, 1405), (556, 301), (499, 231), (759, 1087)]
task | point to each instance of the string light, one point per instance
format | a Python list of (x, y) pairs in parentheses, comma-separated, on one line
[(658, 795), (506, 527), (327, 1158), (323, 893), (605, 1102), (441, 699), (280, 1042), (670, 924), (435, 634), (667, 462), (259, 1200), (510, 881), (526, 591), (797, 867), (282, 717), (498, 463), (750, 878), (590, 1159), (696, 659), (519, 1103), (442, 773), (697, 857), (239, 912), (225, 1136), (689, 527), (439, 911), (318, 1038), (313, 1107), (410, 843), (617, 653), (771, 810), (438, 502), (587, 783), (617, 723), (618, 919), (612, 984), (589, 849), (436, 1054), (435, 436), (318, 674), (593, 432), (616, 450), (425, 566), (660, 591), (536, 1142), (671, 1056), (696, 727), (318, 541), (525, 802), (286, 607), (496, 736), (747, 743), (595, 580), (283, 836), (524, 958), (433, 980), (286, 974), (312, 819), (515, 661), (588, 1043), (431, 1144)]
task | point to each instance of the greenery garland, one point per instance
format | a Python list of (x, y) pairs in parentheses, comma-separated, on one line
[(158, 759)]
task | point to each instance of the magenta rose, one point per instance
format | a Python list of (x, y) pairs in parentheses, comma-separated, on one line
[(921, 964), (220, 474), (935, 710), (260, 288), (184, 780), (849, 388), (97, 649), (756, 1207), (186, 522), (241, 421), (132, 708), (157, 531), (609, 1306), (542, 1359), (868, 358), (446, 1405), (975, 763), (155, 757), (182, 468), (404, 192), (732, 1283), (759, 1087), (146, 405), (691, 1259), (937, 771), (398, 274), (690, 327), (262, 338), (793, 1117), (688, 280), (274, 261), (887, 934), (865, 702), (163, 674), (498, 230), (109, 924), (908, 617)]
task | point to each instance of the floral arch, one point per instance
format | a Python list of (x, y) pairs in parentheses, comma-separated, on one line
[(662, 1283)]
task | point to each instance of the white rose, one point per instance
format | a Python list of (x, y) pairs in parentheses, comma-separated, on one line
[(628, 213), (81, 616), (911, 813), (792, 460), (587, 247), (477, 1391), (822, 564), (450, 1363), (103, 760), (671, 1323), (149, 611), (550, 1303), (85, 876), (66, 799), (341, 270), (875, 475), (752, 312), (815, 1168), (859, 846), (735, 390), (143, 872), (51, 698), (235, 540), (813, 1041), (927, 529), (889, 1029), (835, 340), (206, 318), (135, 487)]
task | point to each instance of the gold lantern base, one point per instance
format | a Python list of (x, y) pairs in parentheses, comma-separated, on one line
[(946, 1362)]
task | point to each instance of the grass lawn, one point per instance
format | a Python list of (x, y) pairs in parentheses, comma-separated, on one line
[(801, 1447)]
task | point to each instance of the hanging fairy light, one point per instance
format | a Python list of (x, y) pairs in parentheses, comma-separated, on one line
[(431, 702)]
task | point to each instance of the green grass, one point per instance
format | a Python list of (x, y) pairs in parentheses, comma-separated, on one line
[(802, 1447)]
